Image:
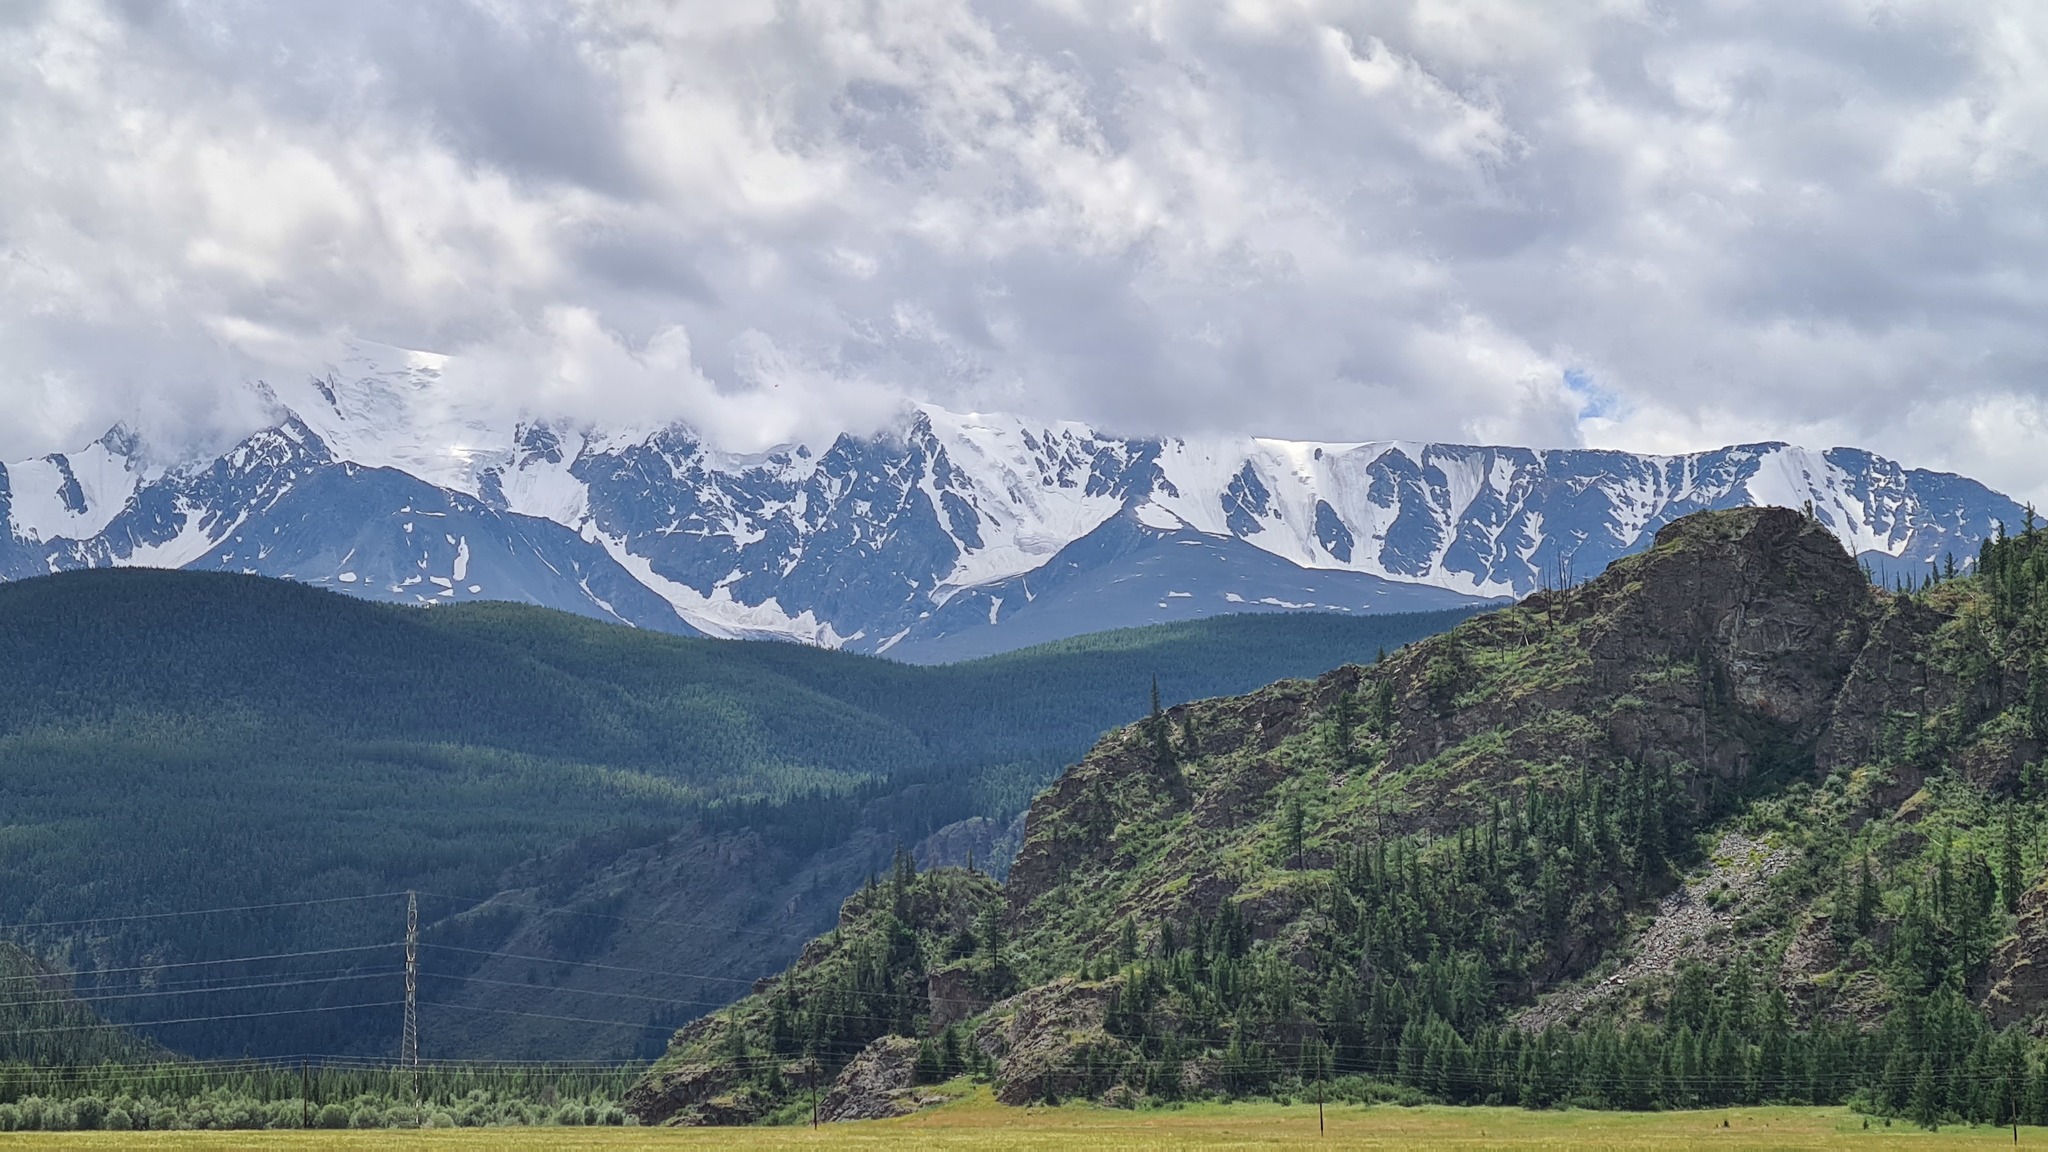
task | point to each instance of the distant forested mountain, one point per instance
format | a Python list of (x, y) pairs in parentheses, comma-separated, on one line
[(178, 741)]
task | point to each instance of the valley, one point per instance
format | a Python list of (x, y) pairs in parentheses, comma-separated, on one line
[(612, 830), (1726, 826)]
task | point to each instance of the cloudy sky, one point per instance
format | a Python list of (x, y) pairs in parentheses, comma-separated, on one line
[(1633, 223)]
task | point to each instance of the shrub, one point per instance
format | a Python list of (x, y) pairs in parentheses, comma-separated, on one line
[(331, 1116), (36, 1115)]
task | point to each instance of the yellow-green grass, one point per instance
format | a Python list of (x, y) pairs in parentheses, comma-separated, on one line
[(979, 1123)]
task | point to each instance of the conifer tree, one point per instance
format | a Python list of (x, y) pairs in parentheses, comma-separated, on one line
[(1158, 730), (1296, 820), (1924, 1106), (2010, 872), (1866, 898), (1344, 726)]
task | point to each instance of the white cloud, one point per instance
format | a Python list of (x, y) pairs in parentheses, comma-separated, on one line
[(1727, 221)]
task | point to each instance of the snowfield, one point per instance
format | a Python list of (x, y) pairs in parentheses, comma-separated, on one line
[(950, 523)]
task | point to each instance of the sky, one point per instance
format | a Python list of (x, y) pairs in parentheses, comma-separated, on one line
[(1657, 226)]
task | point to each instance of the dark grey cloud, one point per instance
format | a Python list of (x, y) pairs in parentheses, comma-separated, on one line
[(1653, 226)]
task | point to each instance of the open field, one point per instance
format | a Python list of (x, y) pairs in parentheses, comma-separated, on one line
[(980, 1124)]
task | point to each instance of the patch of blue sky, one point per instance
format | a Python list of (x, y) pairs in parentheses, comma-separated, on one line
[(1595, 402)]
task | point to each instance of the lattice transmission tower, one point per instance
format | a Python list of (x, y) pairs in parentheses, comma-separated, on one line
[(409, 1042)]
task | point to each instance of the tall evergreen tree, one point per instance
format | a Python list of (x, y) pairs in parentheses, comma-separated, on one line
[(2010, 876)]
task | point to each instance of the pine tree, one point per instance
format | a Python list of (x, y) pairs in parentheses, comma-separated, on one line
[(1345, 726), (1925, 1104), (1380, 713), (1295, 829), (991, 934), (1866, 899), (2009, 879), (1158, 730), (929, 1068)]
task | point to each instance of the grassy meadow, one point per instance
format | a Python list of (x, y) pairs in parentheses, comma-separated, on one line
[(979, 1123)]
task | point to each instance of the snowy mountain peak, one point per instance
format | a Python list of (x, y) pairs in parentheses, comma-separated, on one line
[(952, 534)]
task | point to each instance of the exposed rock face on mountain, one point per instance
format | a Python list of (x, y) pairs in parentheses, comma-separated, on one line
[(1722, 649), (944, 537), (1428, 870)]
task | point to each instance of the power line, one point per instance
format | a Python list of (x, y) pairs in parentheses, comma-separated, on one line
[(198, 963), (591, 964), (556, 910), (202, 1019), (711, 1004), (58, 1002), (546, 1016), (196, 912)]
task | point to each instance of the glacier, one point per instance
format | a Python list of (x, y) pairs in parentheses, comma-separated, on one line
[(947, 536)]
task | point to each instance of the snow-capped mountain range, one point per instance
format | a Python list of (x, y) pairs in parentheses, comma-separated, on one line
[(951, 536)]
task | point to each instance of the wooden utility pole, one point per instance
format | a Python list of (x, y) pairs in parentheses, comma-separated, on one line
[(1319, 1084), (305, 1096)]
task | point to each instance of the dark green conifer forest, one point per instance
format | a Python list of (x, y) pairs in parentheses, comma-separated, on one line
[(175, 741)]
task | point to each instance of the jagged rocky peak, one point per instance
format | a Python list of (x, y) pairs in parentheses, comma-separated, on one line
[(1767, 598), (949, 535)]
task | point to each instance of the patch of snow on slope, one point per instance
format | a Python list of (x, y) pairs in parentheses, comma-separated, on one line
[(192, 541), (1789, 477), (1151, 515), (380, 407), (1298, 474), (49, 490), (719, 614), (1199, 472), (546, 490), (1026, 512)]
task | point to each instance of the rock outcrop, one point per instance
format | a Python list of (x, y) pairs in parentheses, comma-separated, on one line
[(2019, 971), (877, 1084)]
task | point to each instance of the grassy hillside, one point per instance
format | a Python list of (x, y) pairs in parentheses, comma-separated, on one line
[(177, 741), (1724, 825)]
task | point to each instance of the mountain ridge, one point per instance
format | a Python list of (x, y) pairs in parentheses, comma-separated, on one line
[(932, 539)]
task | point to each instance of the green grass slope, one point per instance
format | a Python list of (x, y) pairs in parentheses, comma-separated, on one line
[(174, 741)]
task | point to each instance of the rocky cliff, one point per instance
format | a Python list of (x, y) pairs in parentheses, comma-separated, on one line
[(1726, 807)]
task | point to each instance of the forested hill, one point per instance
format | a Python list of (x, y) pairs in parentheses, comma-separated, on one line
[(180, 741), (1724, 824)]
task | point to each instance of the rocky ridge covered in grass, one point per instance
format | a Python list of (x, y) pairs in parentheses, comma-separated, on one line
[(1463, 871)]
